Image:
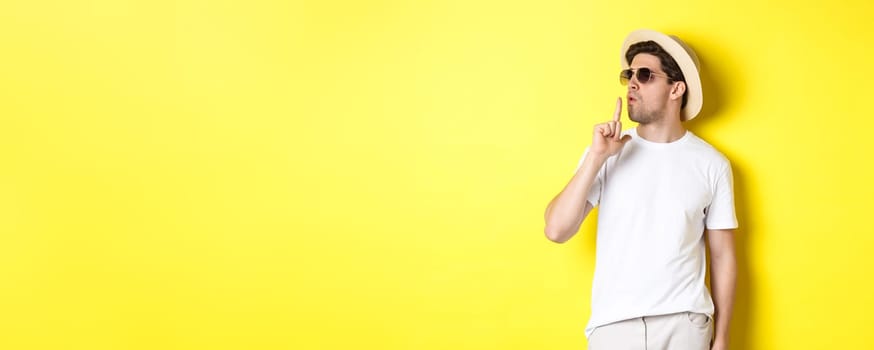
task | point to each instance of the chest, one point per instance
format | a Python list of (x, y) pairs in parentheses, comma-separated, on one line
[(661, 183)]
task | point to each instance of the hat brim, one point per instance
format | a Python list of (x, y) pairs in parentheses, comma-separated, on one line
[(685, 58)]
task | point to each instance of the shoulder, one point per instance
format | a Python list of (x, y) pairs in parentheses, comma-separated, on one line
[(706, 152)]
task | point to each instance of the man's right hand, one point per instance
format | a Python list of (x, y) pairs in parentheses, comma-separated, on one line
[(606, 141), (569, 208)]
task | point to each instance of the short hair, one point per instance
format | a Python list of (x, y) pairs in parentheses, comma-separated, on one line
[(669, 65)]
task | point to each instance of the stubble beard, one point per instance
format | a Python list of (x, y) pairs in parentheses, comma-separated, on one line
[(641, 116)]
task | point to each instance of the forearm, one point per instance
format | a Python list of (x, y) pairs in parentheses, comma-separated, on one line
[(723, 281), (568, 209)]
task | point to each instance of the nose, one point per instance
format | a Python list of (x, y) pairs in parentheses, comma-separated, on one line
[(633, 84)]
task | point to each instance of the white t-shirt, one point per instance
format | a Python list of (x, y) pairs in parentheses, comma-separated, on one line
[(655, 201)]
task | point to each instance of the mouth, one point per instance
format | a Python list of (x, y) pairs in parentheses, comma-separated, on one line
[(631, 99)]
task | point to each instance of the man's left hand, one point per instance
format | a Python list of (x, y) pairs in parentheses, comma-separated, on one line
[(719, 345)]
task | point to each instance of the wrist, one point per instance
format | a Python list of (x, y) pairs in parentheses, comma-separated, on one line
[(597, 157)]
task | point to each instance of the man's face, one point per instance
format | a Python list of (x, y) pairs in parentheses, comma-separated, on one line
[(647, 101)]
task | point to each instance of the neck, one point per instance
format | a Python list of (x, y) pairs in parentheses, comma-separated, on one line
[(664, 131)]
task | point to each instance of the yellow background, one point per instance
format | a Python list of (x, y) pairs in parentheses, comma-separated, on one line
[(373, 174)]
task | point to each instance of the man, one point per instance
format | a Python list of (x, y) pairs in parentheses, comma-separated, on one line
[(661, 191)]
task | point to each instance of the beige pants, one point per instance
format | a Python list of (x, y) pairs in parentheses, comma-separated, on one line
[(680, 331)]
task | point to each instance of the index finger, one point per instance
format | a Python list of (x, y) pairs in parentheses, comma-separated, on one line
[(618, 112)]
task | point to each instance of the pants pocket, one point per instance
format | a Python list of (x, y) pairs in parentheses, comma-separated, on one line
[(700, 330), (699, 319)]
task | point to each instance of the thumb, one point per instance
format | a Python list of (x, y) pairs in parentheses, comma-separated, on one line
[(625, 139)]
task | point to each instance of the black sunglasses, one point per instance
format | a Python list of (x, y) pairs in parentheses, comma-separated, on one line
[(644, 75)]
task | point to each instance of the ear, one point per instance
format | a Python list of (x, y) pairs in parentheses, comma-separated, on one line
[(678, 90)]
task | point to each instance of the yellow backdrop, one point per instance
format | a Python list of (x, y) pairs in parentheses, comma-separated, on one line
[(373, 174)]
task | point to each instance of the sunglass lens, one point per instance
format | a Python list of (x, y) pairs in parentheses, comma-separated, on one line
[(625, 76), (643, 75)]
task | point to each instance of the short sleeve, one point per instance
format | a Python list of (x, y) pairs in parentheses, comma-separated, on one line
[(720, 213), (594, 196)]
